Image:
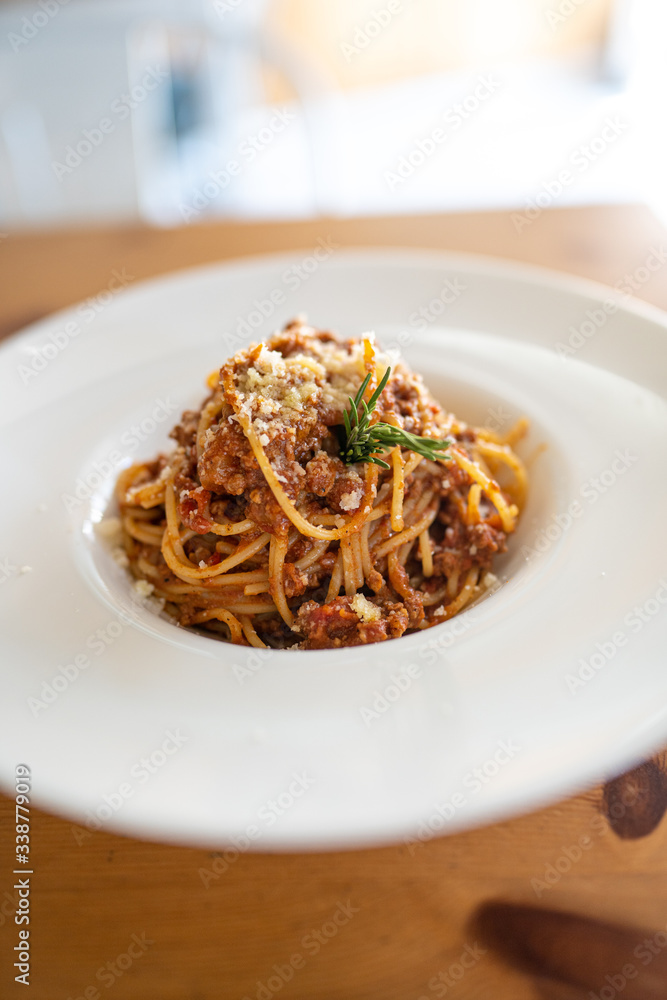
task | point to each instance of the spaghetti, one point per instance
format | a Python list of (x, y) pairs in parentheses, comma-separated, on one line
[(254, 530)]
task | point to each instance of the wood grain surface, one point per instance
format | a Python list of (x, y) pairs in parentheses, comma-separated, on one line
[(113, 916)]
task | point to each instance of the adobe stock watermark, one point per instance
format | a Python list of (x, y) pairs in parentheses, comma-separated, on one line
[(400, 682), (428, 313), (472, 784), (605, 651), (431, 652), (497, 418), (445, 980), (267, 815), (452, 120), (32, 24), (130, 442), (113, 969), (431, 311), (224, 7), (311, 943), (644, 952), (365, 34), (60, 339), (246, 153), (291, 280), (571, 854), (591, 491), (139, 774), (120, 110), (8, 569), (67, 673), (597, 318), (8, 907), (563, 12), (579, 162), (255, 660)]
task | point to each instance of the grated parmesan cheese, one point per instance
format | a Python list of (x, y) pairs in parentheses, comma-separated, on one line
[(143, 588), (119, 556), (365, 609), (351, 501), (156, 604)]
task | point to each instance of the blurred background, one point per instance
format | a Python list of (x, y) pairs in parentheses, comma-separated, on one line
[(172, 112)]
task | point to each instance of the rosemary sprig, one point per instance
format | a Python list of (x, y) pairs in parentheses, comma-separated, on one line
[(363, 442)]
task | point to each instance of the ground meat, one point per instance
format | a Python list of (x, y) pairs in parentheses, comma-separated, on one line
[(335, 625), (328, 477), (488, 541), (396, 618), (227, 461), (265, 511), (465, 546), (193, 504), (452, 477), (294, 580), (233, 508), (292, 340), (186, 431), (299, 548), (228, 465), (347, 493), (321, 473), (401, 399)]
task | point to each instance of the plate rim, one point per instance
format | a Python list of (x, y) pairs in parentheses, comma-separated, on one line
[(483, 265), (489, 264)]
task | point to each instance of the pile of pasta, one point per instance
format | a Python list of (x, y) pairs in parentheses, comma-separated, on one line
[(254, 530)]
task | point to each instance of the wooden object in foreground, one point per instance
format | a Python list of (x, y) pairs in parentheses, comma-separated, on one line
[(577, 951)]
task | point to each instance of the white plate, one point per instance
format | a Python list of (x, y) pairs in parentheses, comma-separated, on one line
[(299, 750)]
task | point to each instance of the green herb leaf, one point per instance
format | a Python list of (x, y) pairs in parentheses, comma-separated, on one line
[(364, 443)]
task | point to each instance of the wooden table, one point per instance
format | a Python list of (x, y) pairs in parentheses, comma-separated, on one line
[(385, 924)]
